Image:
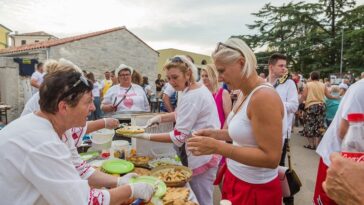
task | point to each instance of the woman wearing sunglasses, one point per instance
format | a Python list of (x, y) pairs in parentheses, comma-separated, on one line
[(126, 96), (256, 126), (196, 110), (36, 165), (74, 135)]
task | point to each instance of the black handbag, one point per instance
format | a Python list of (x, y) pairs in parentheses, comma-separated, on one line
[(290, 182)]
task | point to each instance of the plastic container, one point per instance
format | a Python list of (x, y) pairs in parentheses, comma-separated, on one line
[(101, 139), (354, 138), (160, 152), (120, 149), (352, 146)]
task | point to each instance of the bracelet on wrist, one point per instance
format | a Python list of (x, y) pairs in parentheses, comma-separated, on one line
[(104, 122)]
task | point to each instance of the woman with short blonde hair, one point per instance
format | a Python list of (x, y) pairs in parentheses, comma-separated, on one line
[(256, 126), (196, 110)]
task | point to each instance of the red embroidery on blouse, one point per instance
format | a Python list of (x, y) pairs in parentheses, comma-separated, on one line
[(94, 197), (179, 136)]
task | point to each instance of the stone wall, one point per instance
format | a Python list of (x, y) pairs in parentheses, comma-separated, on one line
[(10, 87), (106, 52), (95, 54)]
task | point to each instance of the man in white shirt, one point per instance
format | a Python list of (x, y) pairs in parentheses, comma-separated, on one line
[(37, 78), (287, 90), (352, 102), (169, 98)]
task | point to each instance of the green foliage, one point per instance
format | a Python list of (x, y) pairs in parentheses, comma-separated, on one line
[(310, 34)]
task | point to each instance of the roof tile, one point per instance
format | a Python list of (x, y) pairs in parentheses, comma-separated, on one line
[(55, 42)]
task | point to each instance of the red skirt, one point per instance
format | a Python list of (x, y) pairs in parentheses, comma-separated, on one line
[(242, 193), (320, 197)]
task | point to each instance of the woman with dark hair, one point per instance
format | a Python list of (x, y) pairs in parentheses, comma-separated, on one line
[(35, 160), (314, 116), (96, 94), (136, 78), (147, 88)]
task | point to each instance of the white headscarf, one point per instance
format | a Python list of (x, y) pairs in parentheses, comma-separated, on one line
[(190, 65)]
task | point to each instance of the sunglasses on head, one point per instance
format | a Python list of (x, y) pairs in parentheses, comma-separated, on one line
[(221, 45), (176, 60), (82, 79)]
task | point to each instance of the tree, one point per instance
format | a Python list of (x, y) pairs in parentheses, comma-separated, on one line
[(306, 32)]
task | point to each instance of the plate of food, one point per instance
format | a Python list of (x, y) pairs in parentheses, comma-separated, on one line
[(177, 196), (139, 160), (130, 130), (172, 175), (162, 162), (141, 171), (161, 186)]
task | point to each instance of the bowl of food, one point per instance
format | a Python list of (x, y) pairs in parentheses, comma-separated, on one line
[(139, 160), (173, 175)]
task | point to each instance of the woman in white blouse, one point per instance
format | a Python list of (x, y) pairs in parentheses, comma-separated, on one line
[(126, 96), (255, 125), (196, 110)]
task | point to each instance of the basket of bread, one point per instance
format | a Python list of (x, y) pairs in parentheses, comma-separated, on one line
[(172, 175)]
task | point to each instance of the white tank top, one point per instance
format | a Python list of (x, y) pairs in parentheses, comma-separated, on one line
[(240, 131)]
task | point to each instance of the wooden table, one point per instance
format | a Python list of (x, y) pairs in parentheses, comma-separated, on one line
[(4, 112)]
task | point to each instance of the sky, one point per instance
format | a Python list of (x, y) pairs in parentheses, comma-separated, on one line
[(189, 25)]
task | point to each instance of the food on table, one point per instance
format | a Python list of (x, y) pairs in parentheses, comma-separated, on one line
[(139, 160), (142, 171), (130, 130), (163, 161), (176, 194), (172, 175), (160, 186)]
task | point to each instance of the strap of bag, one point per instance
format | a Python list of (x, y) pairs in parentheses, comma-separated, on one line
[(117, 104), (288, 148)]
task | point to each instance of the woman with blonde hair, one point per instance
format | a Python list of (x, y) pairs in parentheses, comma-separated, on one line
[(221, 96), (256, 126), (196, 110)]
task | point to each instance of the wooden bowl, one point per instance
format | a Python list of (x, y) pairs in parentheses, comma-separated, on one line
[(173, 175)]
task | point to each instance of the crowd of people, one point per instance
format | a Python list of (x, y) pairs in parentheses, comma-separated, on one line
[(232, 127)]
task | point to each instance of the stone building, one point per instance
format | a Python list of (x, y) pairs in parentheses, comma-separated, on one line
[(94, 52), (29, 38)]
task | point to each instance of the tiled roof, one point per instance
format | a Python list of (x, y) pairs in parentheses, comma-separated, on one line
[(55, 42), (38, 33)]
